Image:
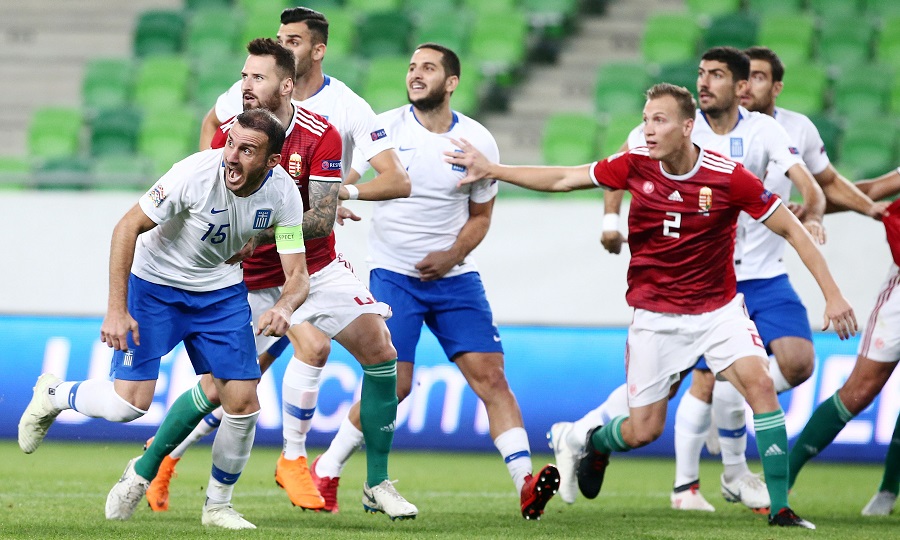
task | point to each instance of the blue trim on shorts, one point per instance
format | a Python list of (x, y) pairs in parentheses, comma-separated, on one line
[(455, 309), (733, 433), (225, 478), (517, 455), (297, 412)]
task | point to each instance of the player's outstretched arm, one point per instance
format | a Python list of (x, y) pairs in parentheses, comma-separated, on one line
[(886, 185), (837, 310), (392, 181), (479, 167), (841, 194)]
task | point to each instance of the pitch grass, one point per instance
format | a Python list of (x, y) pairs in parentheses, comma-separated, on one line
[(59, 492)]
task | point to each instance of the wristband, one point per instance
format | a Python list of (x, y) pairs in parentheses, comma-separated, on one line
[(610, 222), (352, 192)]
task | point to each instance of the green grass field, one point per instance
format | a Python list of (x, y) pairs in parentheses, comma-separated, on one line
[(59, 492)]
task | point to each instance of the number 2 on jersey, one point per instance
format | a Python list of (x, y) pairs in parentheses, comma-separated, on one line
[(670, 225), (219, 236)]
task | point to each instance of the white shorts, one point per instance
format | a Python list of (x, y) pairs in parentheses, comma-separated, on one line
[(662, 345), (336, 298), (880, 341), (261, 301)]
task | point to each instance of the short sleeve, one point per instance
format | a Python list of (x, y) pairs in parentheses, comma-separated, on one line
[(359, 164), (749, 194), (369, 133), (172, 194), (230, 103), (779, 145), (326, 158), (612, 172)]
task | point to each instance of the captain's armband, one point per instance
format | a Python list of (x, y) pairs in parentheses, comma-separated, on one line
[(289, 239)]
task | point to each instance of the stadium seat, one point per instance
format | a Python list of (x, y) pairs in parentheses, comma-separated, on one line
[(845, 42), (615, 133), (678, 73), (570, 139), (385, 86), (830, 130), (106, 83), (351, 70), (212, 35), (162, 81), (713, 8), (467, 97), (212, 79), (765, 7), (551, 17), (342, 30), (735, 29), (54, 132), (669, 38), (373, 6), (201, 5), (65, 173), (883, 8), (167, 137), (498, 42), (15, 173), (385, 33), (863, 92), (804, 89), (790, 35), (620, 87), (895, 94), (159, 32), (868, 149), (260, 24), (480, 7), (838, 9), (888, 44), (450, 28), (114, 131), (122, 172)]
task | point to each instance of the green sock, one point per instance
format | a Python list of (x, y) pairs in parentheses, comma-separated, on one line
[(826, 422), (377, 414), (184, 415), (891, 479), (772, 443), (609, 438)]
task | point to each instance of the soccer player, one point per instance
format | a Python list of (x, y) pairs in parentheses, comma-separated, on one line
[(758, 142), (877, 357), (176, 242), (421, 265), (681, 279), (339, 305), (305, 33)]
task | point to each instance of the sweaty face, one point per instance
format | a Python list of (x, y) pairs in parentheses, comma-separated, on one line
[(260, 83), (760, 94), (297, 38), (664, 128), (245, 159), (427, 85), (716, 87)]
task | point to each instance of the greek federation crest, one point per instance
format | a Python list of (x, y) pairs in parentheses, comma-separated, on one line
[(295, 165), (262, 219)]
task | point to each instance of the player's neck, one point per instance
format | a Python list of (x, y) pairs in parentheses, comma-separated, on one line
[(285, 113), (438, 120), (723, 122), (308, 85), (682, 162)]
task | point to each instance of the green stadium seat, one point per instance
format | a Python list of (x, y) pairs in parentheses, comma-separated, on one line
[(670, 37), (162, 81), (212, 79), (678, 73), (106, 83), (615, 132), (830, 130), (325, 7), (168, 137), (838, 9), (342, 29), (621, 87), (895, 94), (467, 97), (114, 131), (883, 8), (212, 35), (551, 17), (385, 86), (735, 30), (804, 89), (373, 6), (202, 5), (260, 24), (790, 35), (159, 32), (888, 44), (450, 28), (54, 132), (765, 7), (15, 173), (122, 172), (570, 139), (713, 8), (351, 70), (480, 7), (385, 33), (868, 148), (498, 42), (68, 173), (863, 92), (845, 42)]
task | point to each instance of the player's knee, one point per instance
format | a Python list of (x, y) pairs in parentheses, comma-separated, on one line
[(799, 370), (645, 434), (120, 410)]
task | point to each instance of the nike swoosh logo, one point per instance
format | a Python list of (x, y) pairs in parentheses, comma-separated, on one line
[(497, 339), (214, 211), (405, 149)]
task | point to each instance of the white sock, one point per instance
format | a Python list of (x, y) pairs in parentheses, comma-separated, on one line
[(781, 384), (299, 394), (728, 405), (616, 404), (513, 446), (206, 426), (230, 452), (692, 421), (345, 442), (96, 398)]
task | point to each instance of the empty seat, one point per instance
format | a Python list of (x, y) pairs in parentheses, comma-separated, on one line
[(766, 7), (106, 83), (883, 8), (15, 173), (385, 33), (212, 35), (342, 30), (838, 9), (888, 44), (863, 92), (212, 79), (845, 42), (196, 5), (570, 139), (54, 132), (167, 137), (669, 38), (804, 89), (159, 32), (734, 29), (68, 173), (349, 69), (678, 73), (450, 28), (713, 7), (552, 17), (790, 35), (467, 97), (122, 172), (385, 86), (868, 148), (615, 132), (620, 87), (499, 42), (373, 6), (830, 130), (162, 81), (114, 131)]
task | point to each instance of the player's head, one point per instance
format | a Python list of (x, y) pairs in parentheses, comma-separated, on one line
[(252, 149), (267, 79), (668, 120), (722, 79), (305, 32), (432, 76), (766, 75)]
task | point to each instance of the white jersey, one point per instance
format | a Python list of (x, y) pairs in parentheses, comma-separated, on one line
[(405, 230), (758, 142), (350, 114), (201, 223)]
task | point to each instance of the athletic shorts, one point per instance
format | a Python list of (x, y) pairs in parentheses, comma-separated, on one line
[(880, 340), (662, 345), (214, 326), (336, 298), (455, 309)]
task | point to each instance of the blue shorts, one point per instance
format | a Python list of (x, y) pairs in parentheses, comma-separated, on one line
[(214, 326), (775, 308), (455, 309)]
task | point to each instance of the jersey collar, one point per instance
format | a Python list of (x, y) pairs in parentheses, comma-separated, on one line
[(452, 124)]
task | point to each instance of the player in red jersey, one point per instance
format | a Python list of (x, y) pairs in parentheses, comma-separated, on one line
[(681, 281)]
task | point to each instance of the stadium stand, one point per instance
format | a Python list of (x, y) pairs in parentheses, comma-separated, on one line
[(159, 32), (570, 138), (107, 83), (791, 34)]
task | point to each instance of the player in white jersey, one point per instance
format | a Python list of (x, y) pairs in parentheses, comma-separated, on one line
[(170, 273), (421, 265), (305, 32)]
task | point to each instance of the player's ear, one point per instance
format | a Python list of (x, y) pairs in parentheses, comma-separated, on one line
[(451, 83), (687, 127), (287, 86), (273, 160), (777, 87), (318, 51)]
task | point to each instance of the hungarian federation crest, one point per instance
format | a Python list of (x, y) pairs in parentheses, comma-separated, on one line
[(295, 165)]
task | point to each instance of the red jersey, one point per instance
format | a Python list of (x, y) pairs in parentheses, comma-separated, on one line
[(891, 222), (312, 151), (681, 228)]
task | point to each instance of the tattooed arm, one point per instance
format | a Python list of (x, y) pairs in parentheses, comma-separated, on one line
[(318, 221)]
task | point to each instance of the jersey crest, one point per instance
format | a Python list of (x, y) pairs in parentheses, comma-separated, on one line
[(737, 147), (295, 165), (705, 197)]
